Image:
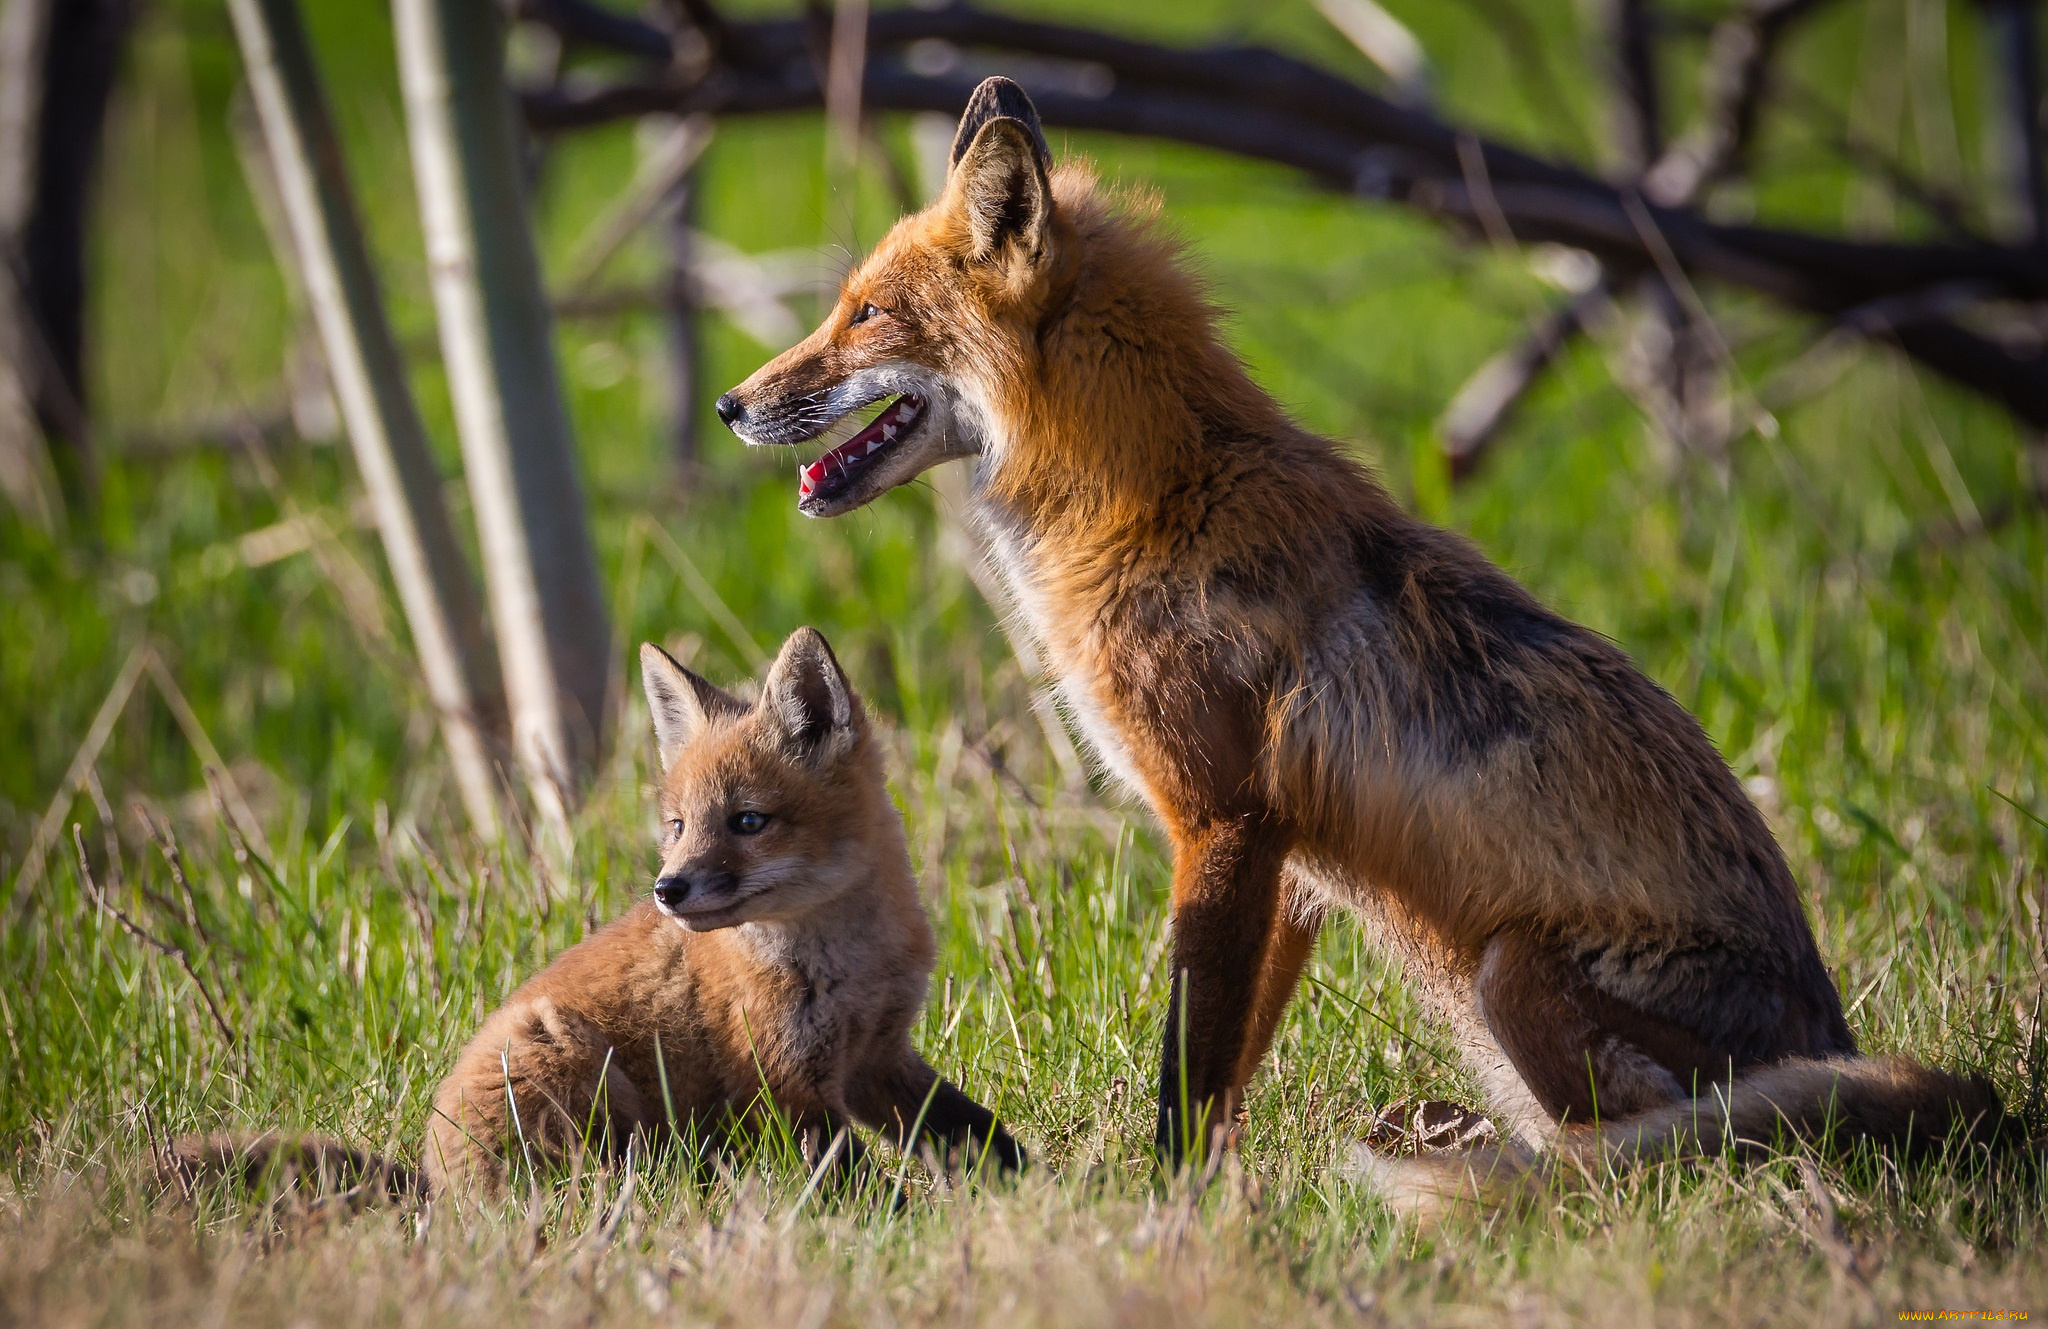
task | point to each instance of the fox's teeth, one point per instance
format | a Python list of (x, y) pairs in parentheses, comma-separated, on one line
[(888, 431)]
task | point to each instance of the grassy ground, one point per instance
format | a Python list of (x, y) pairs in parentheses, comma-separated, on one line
[(1879, 686)]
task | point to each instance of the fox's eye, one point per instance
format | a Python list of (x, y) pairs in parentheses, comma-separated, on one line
[(862, 315), (749, 822), (672, 830)]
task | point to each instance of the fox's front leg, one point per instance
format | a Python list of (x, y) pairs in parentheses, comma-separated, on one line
[(910, 1098), (1226, 901), (1293, 940)]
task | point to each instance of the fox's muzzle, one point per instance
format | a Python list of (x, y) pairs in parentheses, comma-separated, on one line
[(683, 893)]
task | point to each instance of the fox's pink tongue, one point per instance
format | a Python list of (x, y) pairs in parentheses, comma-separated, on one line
[(877, 435)]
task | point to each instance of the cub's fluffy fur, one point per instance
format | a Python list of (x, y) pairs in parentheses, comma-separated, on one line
[(784, 957)]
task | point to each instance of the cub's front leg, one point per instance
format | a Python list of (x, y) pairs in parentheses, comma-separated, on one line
[(831, 1149), (909, 1099)]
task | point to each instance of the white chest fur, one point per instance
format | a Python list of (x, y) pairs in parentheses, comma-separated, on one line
[(1058, 649)]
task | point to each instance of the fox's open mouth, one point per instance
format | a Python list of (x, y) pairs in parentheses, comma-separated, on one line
[(708, 915), (834, 473)]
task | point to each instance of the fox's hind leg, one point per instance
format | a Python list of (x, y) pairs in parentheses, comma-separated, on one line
[(552, 1088), (1583, 1054)]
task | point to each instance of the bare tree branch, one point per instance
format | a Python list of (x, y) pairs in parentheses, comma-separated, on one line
[(1738, 71), (392, 452), (1264, 104), (1483, 406), (1638, 111), (2015, 38)]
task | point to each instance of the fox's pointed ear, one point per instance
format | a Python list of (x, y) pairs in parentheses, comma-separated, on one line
[(680, 702), (807, 696), (998, 184), (998, 98)]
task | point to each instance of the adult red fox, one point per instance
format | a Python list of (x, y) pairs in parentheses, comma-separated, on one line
[(1326, 701), (784, 954)]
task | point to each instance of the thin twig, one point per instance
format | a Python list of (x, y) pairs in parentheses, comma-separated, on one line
[(147, 938), (1737, 76), (108, 830), (166, 842), (1487, 400), (360, 597), (1680, 284), (1633, 66)]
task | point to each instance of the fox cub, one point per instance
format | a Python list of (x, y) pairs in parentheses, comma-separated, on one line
[(784, 954), (1328, 703)]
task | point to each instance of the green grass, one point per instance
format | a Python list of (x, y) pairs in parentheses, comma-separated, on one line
[(1884, 695)]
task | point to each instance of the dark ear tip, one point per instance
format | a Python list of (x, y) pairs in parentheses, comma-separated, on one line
[(998, 98), (808, 640), (1002, 96)]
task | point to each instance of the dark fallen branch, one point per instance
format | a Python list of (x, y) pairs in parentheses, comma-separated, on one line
[(597, 26), (1263, 104)]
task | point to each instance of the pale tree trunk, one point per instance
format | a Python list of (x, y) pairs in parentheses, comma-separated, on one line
[(26, 476), (370, 383), (497, 342)]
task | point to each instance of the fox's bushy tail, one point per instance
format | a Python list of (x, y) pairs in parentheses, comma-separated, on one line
[(275, 1162), (1892, 1101)]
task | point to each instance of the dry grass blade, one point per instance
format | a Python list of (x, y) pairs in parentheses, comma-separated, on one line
[(209, 755), (846, 63), (706, 595)]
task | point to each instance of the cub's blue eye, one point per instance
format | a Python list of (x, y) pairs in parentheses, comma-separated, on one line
[(672, 830), (749, 823), (862, 315)]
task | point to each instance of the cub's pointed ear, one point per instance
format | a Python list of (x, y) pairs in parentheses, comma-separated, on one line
[(998, 98), (807, 696), (681, 703), (998, 184)]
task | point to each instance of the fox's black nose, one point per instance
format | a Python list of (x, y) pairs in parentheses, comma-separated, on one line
[(680, 888), (729, 408)]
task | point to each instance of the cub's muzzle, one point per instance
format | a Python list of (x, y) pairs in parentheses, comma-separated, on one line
[(682, 894)]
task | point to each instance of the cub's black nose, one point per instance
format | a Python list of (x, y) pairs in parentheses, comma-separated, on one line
[(671, 891), (729, 408)]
